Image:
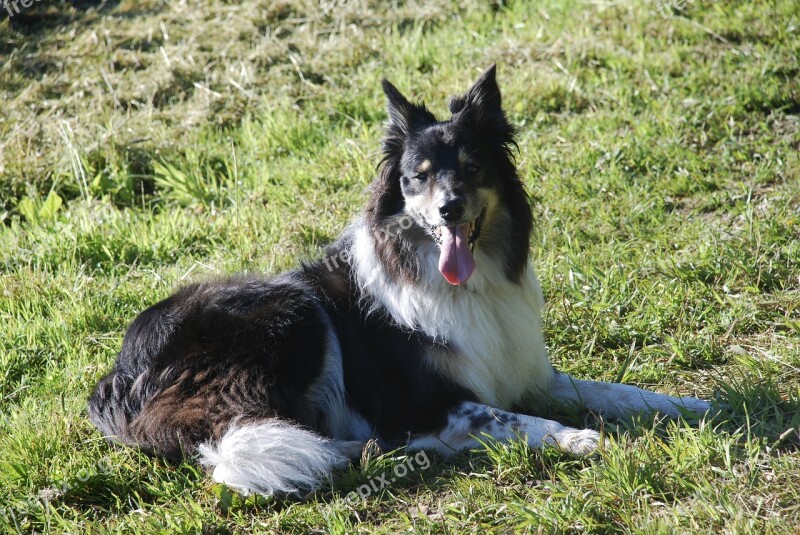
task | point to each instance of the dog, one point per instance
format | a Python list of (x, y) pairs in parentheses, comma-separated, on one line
[(419, 328)]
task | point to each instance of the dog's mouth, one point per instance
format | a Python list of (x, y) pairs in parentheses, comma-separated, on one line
[(473, 230), (457, 243)]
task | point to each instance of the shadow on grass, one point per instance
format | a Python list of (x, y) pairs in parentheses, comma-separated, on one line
[(42, 16), (35, 23), (754, 410)]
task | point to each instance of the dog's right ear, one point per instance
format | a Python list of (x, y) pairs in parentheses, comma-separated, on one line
[(403, 115)]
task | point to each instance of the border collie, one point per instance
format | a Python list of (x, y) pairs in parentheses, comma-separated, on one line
[(420, 327)]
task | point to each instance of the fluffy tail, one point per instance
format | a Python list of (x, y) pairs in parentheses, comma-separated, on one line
[(274, 457)]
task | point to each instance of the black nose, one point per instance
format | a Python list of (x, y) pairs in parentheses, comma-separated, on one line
[(452, 210)]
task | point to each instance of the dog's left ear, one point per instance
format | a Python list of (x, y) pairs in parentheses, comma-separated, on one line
[(482, 104), (483, 96)]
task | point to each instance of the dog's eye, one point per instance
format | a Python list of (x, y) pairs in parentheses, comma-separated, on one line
[(472, 168), (422, 177)]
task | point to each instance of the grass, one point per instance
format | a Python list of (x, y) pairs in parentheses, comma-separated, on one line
[(143, 144)]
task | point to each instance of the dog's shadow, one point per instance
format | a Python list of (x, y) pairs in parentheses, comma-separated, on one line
[(751, 411)]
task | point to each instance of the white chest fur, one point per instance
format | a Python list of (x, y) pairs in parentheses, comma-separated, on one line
[(492, 325)]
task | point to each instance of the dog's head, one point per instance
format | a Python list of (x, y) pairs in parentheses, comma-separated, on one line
[(455, 179)]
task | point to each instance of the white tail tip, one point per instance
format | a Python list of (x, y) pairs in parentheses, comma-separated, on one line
[(271, 457)]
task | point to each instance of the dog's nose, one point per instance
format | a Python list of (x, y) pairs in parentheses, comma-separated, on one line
[(452, 210)]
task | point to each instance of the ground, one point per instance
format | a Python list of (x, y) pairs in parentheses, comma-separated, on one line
[(147, 143)]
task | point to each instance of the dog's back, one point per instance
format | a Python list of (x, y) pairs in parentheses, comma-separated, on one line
[(236, 350)]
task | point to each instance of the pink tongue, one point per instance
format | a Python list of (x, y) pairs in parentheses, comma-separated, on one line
[(455, 261)]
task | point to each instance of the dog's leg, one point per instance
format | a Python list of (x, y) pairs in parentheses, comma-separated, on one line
[(617, 400), (471, 422)]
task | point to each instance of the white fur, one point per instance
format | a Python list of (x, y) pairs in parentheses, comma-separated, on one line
[(494, 329), (327, 395), (461, 433), (493, 324), (617, 400), (273, 456)]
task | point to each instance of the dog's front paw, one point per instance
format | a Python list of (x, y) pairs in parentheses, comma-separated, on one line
[(577, 441)]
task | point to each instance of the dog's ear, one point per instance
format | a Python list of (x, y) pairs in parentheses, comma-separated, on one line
[(404, 118), (482, 105), (403, 115), (482, 98), (484, 95)]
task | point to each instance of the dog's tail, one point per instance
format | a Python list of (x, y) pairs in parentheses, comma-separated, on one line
[(274, 456)]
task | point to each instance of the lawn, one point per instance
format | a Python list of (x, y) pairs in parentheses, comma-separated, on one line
[(144, 144)]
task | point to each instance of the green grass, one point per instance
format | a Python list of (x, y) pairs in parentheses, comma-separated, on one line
[(659, 141)]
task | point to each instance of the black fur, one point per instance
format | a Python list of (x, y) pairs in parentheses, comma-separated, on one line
[(241, 348)]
